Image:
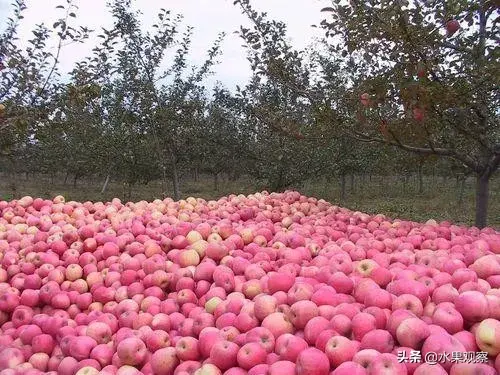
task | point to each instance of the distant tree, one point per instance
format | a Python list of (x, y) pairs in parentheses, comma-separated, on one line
[(29, 76)]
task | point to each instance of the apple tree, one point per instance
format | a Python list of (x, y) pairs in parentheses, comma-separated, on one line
[(424, 79)]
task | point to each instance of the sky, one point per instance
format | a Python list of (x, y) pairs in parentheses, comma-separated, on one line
[(208, 17)]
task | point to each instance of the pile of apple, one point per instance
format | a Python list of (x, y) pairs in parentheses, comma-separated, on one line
[(265, 284)]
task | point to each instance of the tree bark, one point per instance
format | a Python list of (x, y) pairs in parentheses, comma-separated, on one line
[(420, 179), (461, 191), (105, 185), (175, 181), (342, 187), (482, 192), (216, 181), (196, 174)]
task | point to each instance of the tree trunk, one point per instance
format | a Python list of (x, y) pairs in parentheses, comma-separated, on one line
[(342, 187), (66, 178), (352, 183), (482, 191), (216, 181), (420, 179), (75, 179), (175, 181), (105, 185), (461, 191), (196, 177)]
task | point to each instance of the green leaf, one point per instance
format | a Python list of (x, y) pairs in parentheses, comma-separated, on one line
[(327, 9)]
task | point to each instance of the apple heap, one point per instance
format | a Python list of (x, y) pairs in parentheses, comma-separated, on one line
[(275, 284)]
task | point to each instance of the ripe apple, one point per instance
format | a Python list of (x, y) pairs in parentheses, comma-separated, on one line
[(488, 336)]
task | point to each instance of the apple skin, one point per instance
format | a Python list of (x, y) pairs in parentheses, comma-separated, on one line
[(430, 369), (349, 368), (289, 346), (380, 340), (164, 361), (412, 333), (277, 323), (250, 355), (488, 336), (386, 363), (312, 362), (440, 344), (448, 318), (131, 351), (472, 369), (340, 349), (224, 354), (473, 306), (452, 26)]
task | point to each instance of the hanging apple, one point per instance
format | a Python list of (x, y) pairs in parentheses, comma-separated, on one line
[(452, 27), (418, 114), (365, 99), (421, 70)]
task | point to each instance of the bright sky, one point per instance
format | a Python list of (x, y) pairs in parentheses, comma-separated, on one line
[(208, 17)]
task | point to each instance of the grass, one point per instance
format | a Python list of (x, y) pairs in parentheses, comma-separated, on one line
[(386, 195)]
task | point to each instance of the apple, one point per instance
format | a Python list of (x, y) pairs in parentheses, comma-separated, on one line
[(386, 363), (472, 305), (452, 26), (488, 336), (340, 349), (250, 355), (131, 351), (349, 368), (430, 369), (312, 361), (379, 339), (412, 333)]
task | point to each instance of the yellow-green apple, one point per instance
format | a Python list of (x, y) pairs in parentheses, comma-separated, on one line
[(488, 336), (366, 266)]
